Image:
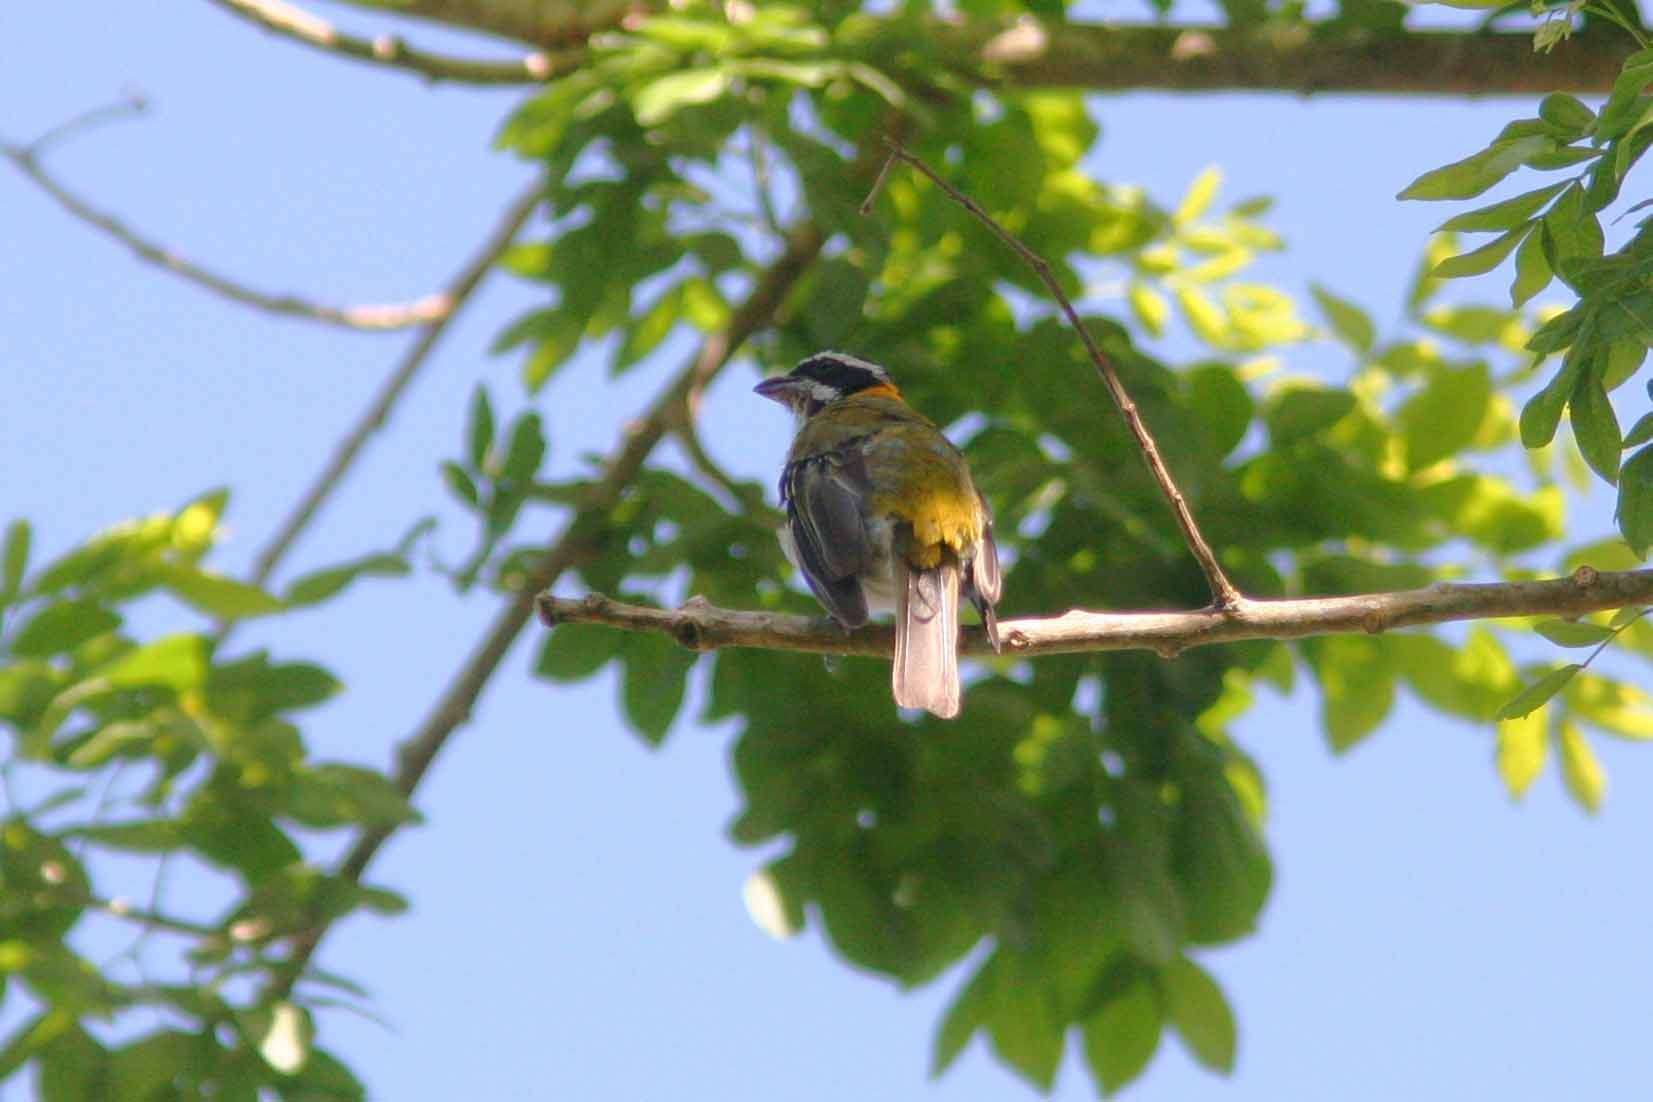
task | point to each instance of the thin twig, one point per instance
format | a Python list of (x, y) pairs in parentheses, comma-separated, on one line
[(401, 315), (378, 411), (1223, 592), (294, 22), (702, 627), (128, 106)]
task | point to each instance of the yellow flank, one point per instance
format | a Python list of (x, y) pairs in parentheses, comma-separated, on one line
[(921, 478)]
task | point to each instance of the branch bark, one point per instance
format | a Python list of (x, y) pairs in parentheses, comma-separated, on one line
[(295, 23), (701, 626)]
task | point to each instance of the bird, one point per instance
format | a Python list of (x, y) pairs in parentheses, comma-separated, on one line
[(882, 515)]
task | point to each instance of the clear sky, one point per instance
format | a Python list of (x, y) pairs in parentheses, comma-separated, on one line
[(577, 929)]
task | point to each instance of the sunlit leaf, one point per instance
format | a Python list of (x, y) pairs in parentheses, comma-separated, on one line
[(1586, 780)]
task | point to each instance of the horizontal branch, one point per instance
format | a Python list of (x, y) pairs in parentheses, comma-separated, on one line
[(701, 626), (376, 317), (1307, 58), (294, 22)]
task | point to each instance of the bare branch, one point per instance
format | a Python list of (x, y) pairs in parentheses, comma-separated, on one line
[(294, 22), (703, 627), (371, 317), (1223, 592), (377, 413)]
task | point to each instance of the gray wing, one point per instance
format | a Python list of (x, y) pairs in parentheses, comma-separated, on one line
[(984, 582), (826, 520)]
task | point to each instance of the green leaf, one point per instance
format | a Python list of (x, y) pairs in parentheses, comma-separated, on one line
[(573, 652), (1200, 1014), (1351, 324), (215, 595), (1586, 780), (1471, 176), (1223, 407), (1538, 694), (479, 428), (459, 483), (1303, 410), (320, 585), (1532, 270), (1444, 417), (1570, 231), (1121, 1036), (133, 836), (61, 627), (1484, 259), (252, 688), (73, 1067), (1566, 112), (1523, 746), (1025, 1030), (333, 795), (1596, 428), (14, 559), (178, 662), (1204, 317), (643, 335), (1199, 195), (1572, 633), (1357, 684), (1504, 215), (1149, 306), (556, 345), (652, 688), (1635, 507), (658, 100), (526, 450), (1542, 413), (967, 1014)]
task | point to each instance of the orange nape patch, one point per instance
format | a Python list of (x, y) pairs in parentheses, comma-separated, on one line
[(882, 390)]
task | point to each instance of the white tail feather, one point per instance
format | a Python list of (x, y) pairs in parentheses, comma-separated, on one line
[(926, 673)]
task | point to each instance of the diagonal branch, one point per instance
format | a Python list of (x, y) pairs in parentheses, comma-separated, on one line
[(416, 755), (373, 418), (1223, 592), (701, 626), (294, 22), (431, 308)]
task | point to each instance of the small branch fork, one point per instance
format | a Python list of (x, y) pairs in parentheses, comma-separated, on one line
[(703, 627), (1224, 594), (423, 311)]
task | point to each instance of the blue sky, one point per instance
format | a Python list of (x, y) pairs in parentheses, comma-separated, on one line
[(578, 930)]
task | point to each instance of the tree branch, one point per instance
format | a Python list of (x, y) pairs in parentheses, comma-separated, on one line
[(1223, 592), (703, 627), (294, 22), (1307, 58), (422, 311), (415, 756), (374, 417)]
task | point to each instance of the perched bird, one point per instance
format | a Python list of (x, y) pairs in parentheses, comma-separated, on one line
[(882, 515)]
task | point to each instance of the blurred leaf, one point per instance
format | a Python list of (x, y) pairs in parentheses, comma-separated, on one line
[(73, 1068), (220, 597), (1572, 633), (1539, 692), (526, 450), (1149, 306), (1617, 707), (14, 559), (1443, 418), (652, 688), (178, 662), (1523, 746), (321, 585), (966, 1014), (63, 626), (573, 652), (658, 100), (1222, 406), (333, 795), (1532, 270), (1351, 324), (1586, 780), (1201, 1014), (1122, 1034), (1198, 198), (460, 484), (1304, 410), (479, 431)]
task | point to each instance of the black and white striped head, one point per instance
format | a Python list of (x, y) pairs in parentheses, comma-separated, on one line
[(824, 378)]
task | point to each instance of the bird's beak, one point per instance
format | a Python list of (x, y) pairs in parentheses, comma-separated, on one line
[(777, 389)]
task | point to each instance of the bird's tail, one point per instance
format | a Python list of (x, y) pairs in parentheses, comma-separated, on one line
[(926, 671)]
